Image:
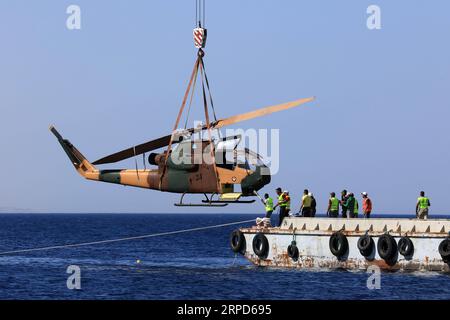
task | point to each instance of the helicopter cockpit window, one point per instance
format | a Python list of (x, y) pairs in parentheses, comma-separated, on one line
[(248, 159), (226, 153)]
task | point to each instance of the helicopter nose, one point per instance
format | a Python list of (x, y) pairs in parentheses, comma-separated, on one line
[(256, 180), (266, 176)]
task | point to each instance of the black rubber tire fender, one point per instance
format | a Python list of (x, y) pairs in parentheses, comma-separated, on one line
[(338, 244), (260, 245), (237, 241), (405, 246), (366, 245), (444, 249), (292, 251), (387, 247)]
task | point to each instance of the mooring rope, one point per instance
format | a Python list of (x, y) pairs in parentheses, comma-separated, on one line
[(123, 239)]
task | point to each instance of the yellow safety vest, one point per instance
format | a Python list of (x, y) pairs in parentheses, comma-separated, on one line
[(306, 201), (334, 204), (280, 199), (356, 207), (423, 202), (288, 203), (269, 204)]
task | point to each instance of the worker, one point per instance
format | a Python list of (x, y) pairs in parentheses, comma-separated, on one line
[(343, 203), (282, 204), (313, 205), (305, 207), (287, 199), (367, 205), (355, 209), (333, 206), (350, 205), (268, 203), (422, 206)]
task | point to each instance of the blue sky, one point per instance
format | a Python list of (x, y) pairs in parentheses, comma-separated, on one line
[(379, 124)]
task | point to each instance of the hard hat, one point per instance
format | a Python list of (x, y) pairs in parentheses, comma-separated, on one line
[(364, 193), (285, 191)]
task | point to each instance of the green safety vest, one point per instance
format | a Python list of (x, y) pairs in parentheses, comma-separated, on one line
[(280, 198), (334, 204), (269, 204), (356, 207), (288, 204), (423, 202)]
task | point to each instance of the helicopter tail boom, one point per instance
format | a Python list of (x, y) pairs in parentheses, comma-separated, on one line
[(81, 164), (148, 179)]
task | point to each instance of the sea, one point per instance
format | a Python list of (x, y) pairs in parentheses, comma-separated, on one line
[(194, 265)]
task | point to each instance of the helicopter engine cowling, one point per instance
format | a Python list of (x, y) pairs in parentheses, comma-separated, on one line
[(155, 158)]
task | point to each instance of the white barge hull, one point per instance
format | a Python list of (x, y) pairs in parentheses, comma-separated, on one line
[(312, 239)]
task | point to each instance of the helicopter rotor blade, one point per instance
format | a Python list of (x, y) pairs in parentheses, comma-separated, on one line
[(145, 147), (260, 112), (165, 140), (134, 151)]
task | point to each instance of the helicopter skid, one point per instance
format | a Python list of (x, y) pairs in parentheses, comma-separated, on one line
[(206, 203), (228, 201), (200, 204)]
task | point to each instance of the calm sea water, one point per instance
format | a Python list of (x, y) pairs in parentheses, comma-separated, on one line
[(198, 265)]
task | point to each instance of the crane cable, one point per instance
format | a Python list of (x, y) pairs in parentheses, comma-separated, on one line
[(209, 92), (200, 13), (204, 14), (82, 244), (200, 18), (192, 96), (203, 75)]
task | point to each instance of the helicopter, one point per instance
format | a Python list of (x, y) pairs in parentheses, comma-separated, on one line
[(212, 167), (180, 171)]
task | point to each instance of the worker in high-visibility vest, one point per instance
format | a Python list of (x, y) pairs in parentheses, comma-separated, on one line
[(268, 203), (287, 199), (367, 205), (350, 203), (422, 206), (355, 209), (333, 206), (282, 204), (305, 208)]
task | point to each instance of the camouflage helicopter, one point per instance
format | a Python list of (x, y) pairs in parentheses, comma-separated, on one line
[(214, 177), (194, 166)]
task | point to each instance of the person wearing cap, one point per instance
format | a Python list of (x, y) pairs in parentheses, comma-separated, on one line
[(333, 206), (422, 206), (367, 205), (343, 203), (313, 205), (282, 204), (305, 207)]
